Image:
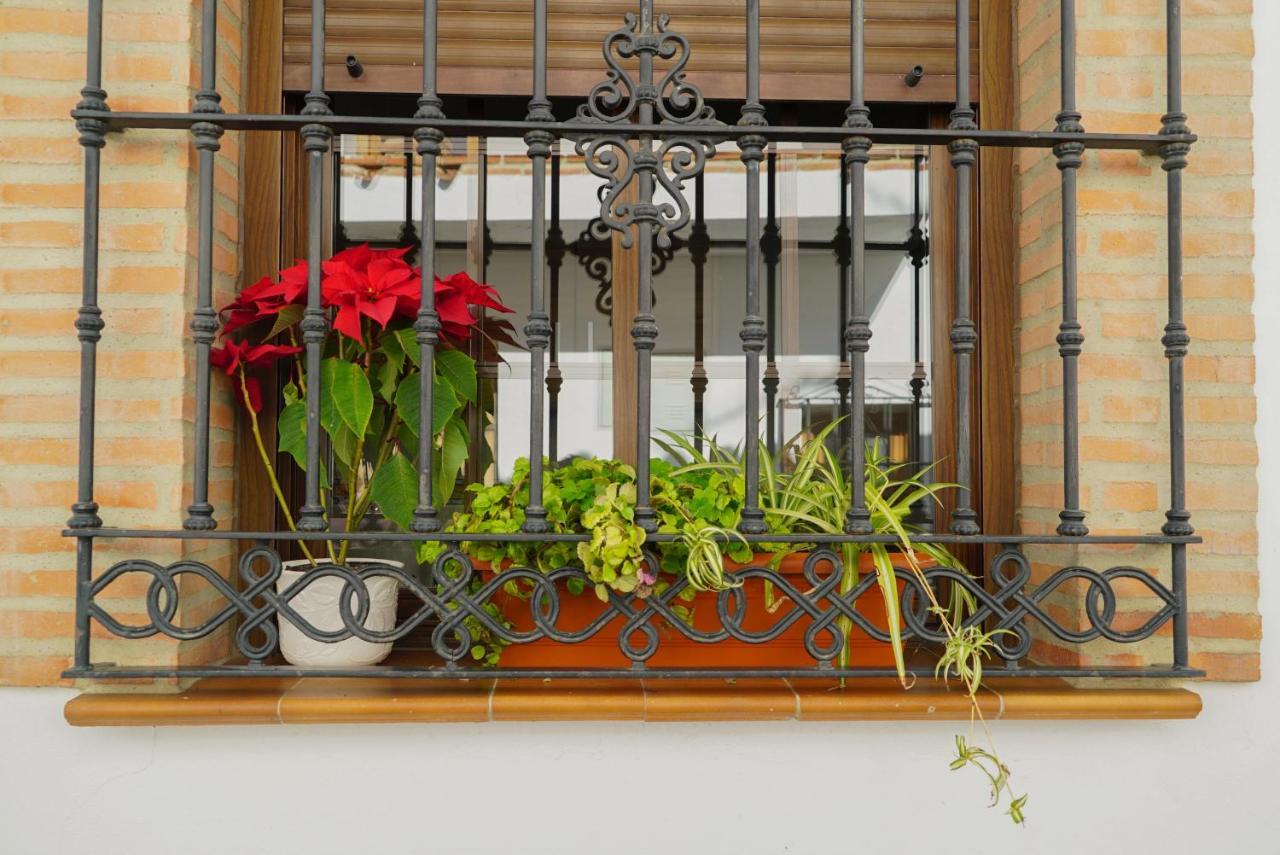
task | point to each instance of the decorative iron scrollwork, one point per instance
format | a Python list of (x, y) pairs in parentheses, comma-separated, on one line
[(455, 592), (619, 100)]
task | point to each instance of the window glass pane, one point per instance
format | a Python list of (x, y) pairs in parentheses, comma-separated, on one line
[(807, 286)]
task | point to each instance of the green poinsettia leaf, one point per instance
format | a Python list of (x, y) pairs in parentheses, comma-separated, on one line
[(460, 370), (407, 339), (291, 434), (395, 489), (287, 316), (445, 403), (346, 388), (453, 454)]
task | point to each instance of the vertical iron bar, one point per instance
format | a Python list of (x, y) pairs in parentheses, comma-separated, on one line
[(771, 248), (84, 513), (1176, 341), (408, 234), (644, 327), (204, 322), (555, 258), (964, 335), (753, 333), (857, 334), (917, 252), (316, 142), (537, 329), (89, 324), (699, 247), (339, 231), (1070, 338), (843, 248), (426, 326)]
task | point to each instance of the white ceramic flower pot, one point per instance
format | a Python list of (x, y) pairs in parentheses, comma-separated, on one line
[(317, 604)]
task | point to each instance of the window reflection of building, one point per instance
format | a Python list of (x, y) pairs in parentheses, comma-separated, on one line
[(482, 189)]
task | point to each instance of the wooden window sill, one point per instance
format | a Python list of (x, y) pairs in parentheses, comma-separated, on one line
[(290, 700)]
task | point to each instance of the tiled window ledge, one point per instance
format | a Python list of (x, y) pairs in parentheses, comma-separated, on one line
[(271, 700)]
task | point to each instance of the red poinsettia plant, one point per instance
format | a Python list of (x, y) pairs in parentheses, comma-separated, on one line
[(369, 378)]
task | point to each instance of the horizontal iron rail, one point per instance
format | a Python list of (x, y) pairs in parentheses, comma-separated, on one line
[(441, 672), (120, 121), (659, 537)]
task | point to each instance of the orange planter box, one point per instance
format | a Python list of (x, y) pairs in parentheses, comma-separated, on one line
[(675, 650)]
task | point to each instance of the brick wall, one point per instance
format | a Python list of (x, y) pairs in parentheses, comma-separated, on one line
[(1122, 282), (145, 404)]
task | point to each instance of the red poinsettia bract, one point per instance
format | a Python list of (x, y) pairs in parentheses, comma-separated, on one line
[(374, 292), (235, 356), (362, 282)]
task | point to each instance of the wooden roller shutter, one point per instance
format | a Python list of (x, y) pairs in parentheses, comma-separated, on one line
[(485, 48)]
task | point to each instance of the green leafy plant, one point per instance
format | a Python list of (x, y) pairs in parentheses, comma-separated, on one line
[(370, 378), (598, 498), (804, 490), (614, 558)]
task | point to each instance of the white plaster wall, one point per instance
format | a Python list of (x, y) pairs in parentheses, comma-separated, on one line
[(1205, 786)]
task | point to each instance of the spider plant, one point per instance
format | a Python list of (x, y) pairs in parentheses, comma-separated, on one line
[(812, 496)]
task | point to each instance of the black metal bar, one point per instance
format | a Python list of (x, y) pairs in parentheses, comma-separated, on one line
[(426, 326), (857, 333), (1070, 338), (771, 248), (644, 327), (204, 321), (391, 125), (918, 252), (842, 246), (524, 537), (113, 672), (555, 259), (316, 139), (89, 325), (408, 233), (699, 247), (753, 332), (1176, 341), (486, 371), (339, 230), (537, 329), (964, 335)]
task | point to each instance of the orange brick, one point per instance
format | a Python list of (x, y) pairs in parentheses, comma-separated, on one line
[(1232, 667), (1127, 409), (1222, 409), (146, 280), (146, 194), (1131, 325), (140, 67), (40, 233), (1130, 496), (31, 65), (138, 237), (33, 670), (39, 363), (1131, 243), (38, 583)]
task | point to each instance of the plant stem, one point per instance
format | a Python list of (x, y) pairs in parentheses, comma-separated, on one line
[(266, 462)]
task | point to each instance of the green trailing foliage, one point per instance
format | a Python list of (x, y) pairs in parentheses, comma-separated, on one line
[(698, 494)]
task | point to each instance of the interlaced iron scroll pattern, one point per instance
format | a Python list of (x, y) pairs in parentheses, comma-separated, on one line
[(450, 596)]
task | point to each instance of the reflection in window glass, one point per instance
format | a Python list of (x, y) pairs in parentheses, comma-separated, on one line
[(483, 189)]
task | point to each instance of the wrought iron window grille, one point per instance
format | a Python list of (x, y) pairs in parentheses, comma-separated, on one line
[(651, 130)]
